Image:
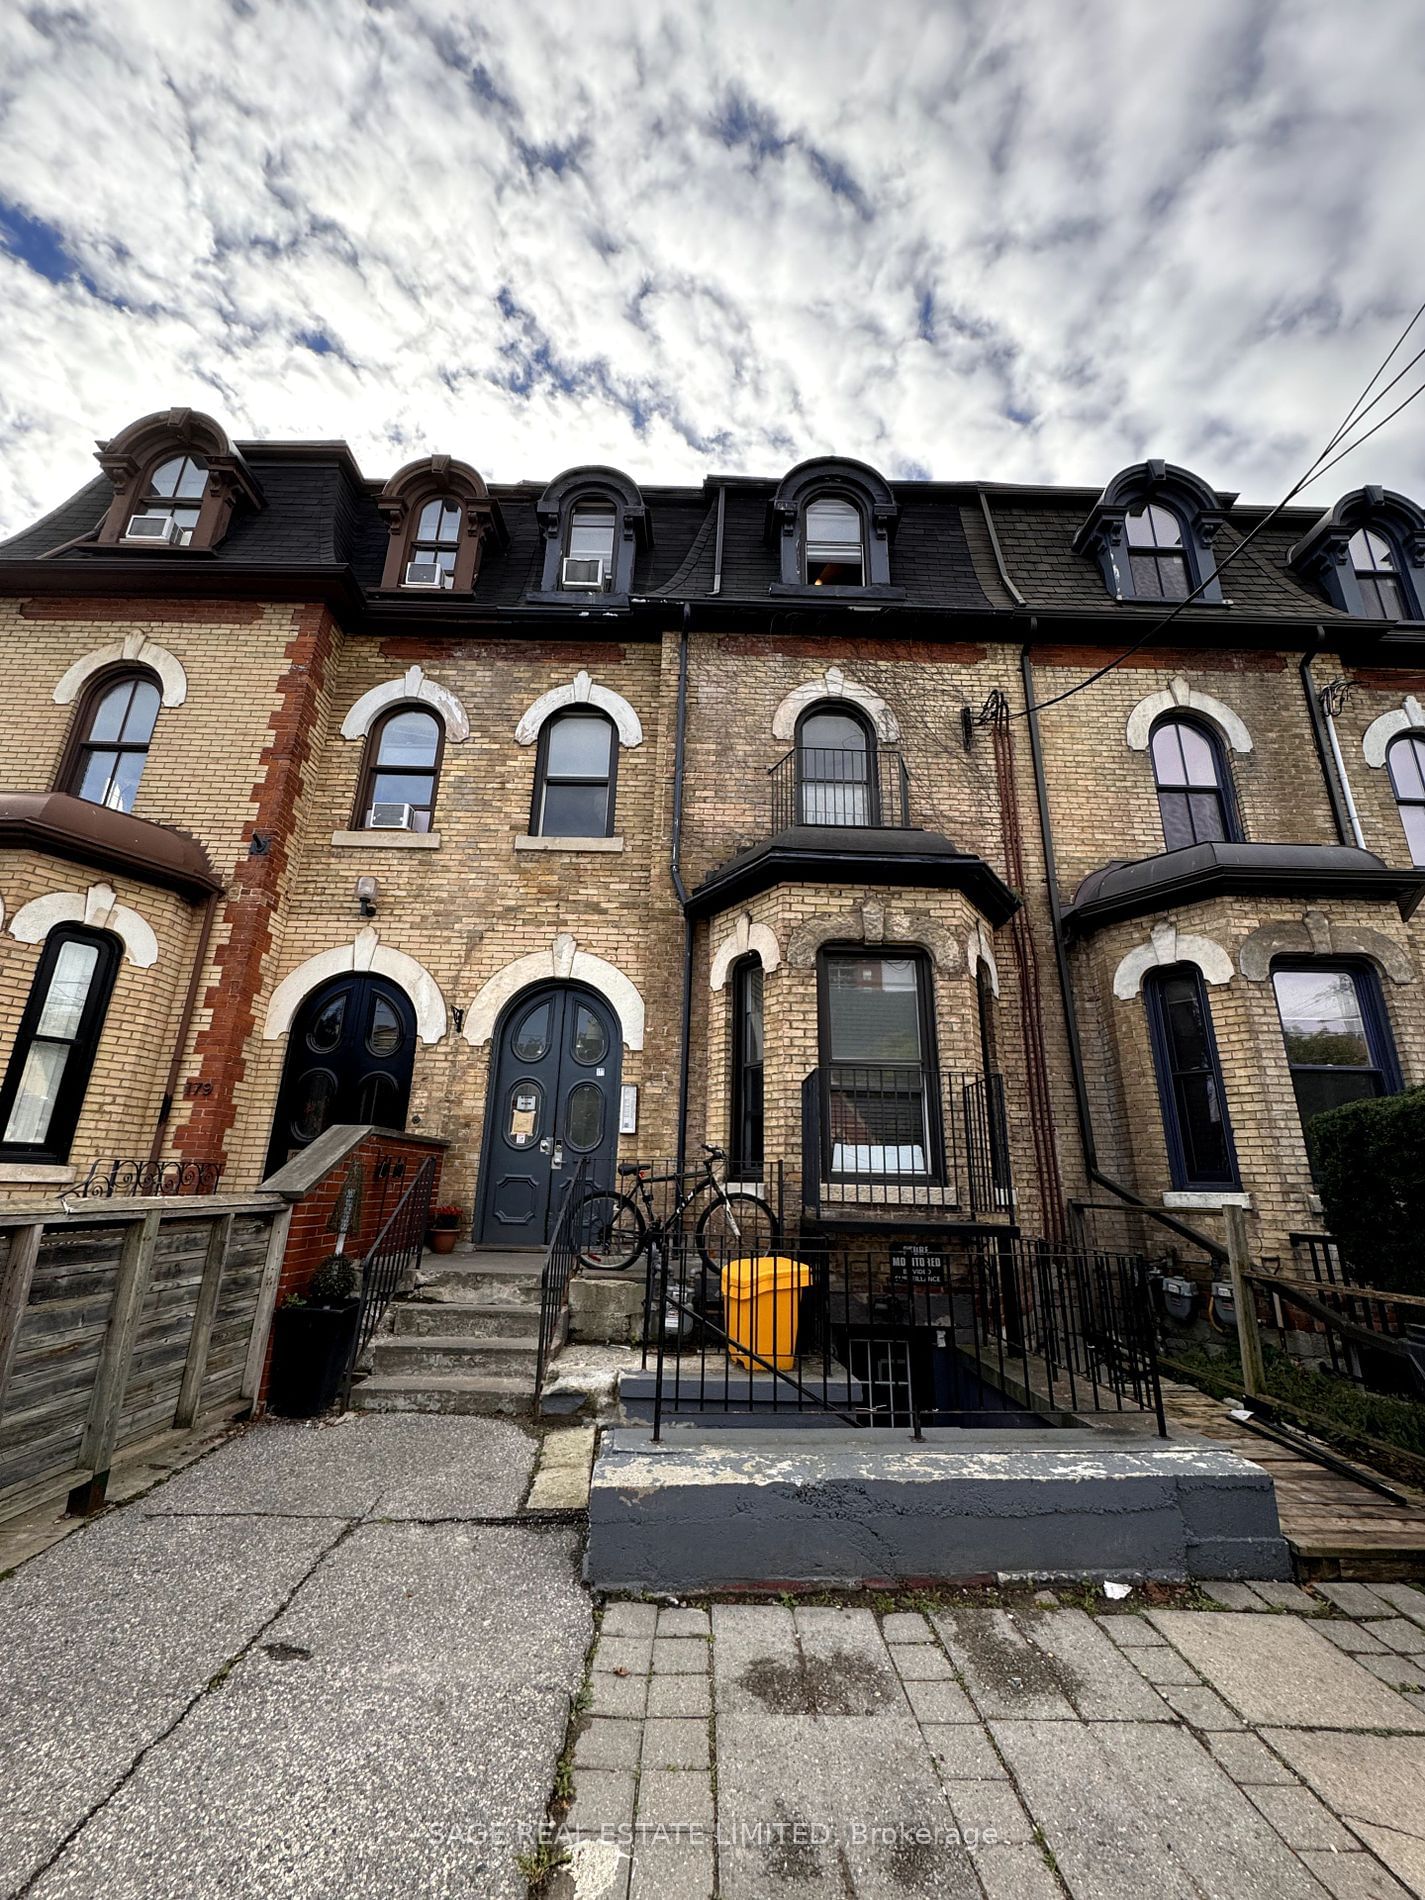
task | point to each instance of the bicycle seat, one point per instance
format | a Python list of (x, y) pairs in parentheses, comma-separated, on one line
[(714, 1154), (628, 1167)]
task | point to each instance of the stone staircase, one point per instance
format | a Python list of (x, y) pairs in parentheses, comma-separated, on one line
[(465, 1341)]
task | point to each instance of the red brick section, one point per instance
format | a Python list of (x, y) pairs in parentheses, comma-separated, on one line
[(1156, 658), (388, 1167), (255, 889), (187, 613)]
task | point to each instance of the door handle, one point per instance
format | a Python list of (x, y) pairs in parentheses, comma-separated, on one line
[(545, 1145), (558, 1154)]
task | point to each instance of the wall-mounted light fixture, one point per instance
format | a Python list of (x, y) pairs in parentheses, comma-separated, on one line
[(366, 888)]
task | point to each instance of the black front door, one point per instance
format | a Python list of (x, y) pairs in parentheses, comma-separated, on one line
[(349, 1058), (553, 1099)]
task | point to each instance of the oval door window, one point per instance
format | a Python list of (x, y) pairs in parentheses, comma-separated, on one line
[(325, 1032), (522, 1121), (531, 1037), (591, 1043), (385, 1035), (584, 1116), (314, 1104), (379, 1096)]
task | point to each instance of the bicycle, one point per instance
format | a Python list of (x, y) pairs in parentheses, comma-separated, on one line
[(613, 1230)]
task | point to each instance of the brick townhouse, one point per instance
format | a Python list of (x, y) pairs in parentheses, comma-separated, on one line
[(581, 819)]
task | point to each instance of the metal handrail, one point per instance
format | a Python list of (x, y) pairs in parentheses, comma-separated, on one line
[(395, 1250), (829, 785), (559, 1265)]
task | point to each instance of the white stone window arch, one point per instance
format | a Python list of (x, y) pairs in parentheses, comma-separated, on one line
[(1409, 716), (1179, 696), (1165, 946), (366, 953), (98, 909), (581, 691), (412, 688), (134, 649), (564, 962), (833, 685), (747, 939)]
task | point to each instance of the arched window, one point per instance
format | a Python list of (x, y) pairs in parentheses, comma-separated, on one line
[(836, 768), (1194, 790), (1373, 559), (589, 548), (746, 1159), (574, 776), (114, 728), (55, 1046), (1156, 557), (1199, 1138), (594, 525), (1406, 759), (835, 544), (400, 771), (434, 545), (172, 502)]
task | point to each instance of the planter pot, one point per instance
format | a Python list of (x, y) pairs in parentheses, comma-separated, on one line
[(443, 1239), (310, 1348)]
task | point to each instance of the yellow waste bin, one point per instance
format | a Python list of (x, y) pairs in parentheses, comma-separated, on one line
[(762, 1301)]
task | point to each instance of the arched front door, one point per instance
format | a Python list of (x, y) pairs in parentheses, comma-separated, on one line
[(554, 1082), (349, 1058)]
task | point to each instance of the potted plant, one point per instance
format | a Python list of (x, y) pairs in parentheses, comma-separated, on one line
[(312, 1338), (445, 1226)]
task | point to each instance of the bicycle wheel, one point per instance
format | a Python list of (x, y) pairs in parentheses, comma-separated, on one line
[(608, 1230), (739, 1227)]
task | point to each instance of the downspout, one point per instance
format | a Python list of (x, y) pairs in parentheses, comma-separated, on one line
[(1323, 707), (1084, 1113), (675, 866), (185, 1021), (717, 542)]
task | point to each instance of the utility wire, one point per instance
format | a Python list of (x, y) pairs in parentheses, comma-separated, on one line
[(1355, 415)]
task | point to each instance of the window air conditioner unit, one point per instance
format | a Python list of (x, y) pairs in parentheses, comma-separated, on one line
[(161, 528), (391, 818), (427, 574), (581, 573)]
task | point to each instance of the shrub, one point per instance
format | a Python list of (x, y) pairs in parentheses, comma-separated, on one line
[(333, 1281), (1368, 1160)]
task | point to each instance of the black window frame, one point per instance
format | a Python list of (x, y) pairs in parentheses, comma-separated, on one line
[(1226, 791), (857, 507), (1169, 1071), (1380, 1037), (541, 774), (372, 768), (1368, 579), (84, 1046), (748, 1106), (82, 744), (1153, 554), (840, 709), (1415, 739), (929, 1065)]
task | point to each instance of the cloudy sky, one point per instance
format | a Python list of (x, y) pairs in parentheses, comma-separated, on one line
[(1015, 240)]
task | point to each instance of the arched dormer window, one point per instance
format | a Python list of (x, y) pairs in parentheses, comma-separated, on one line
[(1195, 797), (594, 524), (836, 775), (441, 521), (109, 742), (400, 771), (833, 523), (1368, 556), (177, 480), (1151, 532), (1406, 759)]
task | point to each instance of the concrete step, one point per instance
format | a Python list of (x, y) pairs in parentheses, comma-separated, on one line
[(469, 1275), (474, 1319), (441, 1353), (509, 1397)]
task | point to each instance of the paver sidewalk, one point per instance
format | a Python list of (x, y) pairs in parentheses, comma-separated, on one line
[(1248, 1751)]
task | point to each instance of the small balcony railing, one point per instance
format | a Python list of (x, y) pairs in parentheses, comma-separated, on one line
[(901, 1136), (820, 785)]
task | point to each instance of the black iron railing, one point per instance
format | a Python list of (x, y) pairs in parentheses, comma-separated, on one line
[(1372, 1337), (559, 1265), (394, 1253), (820, 785), (1005, 1333), (124, 1175), (900, 1136)]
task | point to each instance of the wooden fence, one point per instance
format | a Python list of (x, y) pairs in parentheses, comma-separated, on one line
[(124, 1320)]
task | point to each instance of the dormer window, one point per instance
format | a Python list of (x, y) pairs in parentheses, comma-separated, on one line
[(1373, 559), (835, 556), (169, 511), (1152, 532), (435, 545), (1155, 553), (594, 525), (589, 556)]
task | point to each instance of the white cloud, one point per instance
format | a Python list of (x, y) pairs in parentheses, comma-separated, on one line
[(1027, 242)]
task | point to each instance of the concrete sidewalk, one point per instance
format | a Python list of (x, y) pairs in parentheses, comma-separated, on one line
[(1271, 1747), (325, 1660)]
